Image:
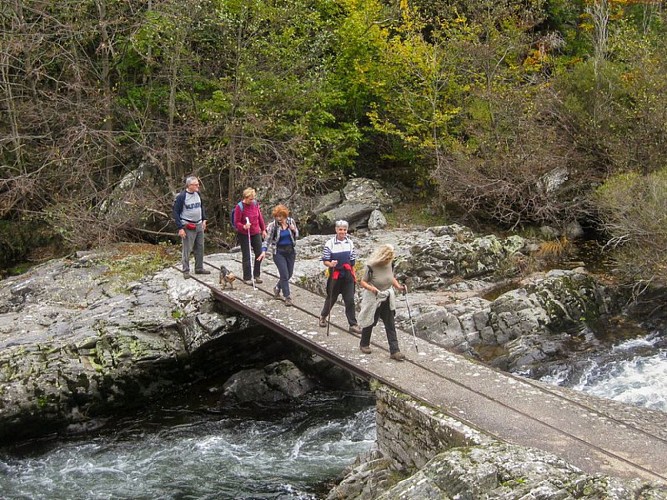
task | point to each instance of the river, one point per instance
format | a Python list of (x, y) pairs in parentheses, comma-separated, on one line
[(194, 450), (633, 371), (288, 451)]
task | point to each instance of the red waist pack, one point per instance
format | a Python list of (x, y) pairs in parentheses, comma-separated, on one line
[(349, 269), (191, 226)]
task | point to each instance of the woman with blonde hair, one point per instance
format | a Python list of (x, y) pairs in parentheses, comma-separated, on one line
[(378, 300), (280, 241), (250, 231)]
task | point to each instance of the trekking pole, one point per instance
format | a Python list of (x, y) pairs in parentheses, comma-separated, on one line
[(251, 254), (329, 306), (412, 323)]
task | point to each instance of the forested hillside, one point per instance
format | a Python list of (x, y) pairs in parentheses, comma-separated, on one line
[(515, 112)]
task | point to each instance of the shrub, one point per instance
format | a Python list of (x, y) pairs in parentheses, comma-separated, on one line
[(633, 211)]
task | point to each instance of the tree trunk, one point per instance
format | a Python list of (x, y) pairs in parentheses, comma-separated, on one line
[(107, 126)]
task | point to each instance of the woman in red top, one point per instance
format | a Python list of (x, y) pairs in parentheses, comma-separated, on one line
[(248, 220)]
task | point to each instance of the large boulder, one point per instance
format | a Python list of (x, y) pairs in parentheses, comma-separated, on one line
[(358, 200), (445, 253), (527, 325), (277, 381), (492, 471), (80, 337), (133, 206)]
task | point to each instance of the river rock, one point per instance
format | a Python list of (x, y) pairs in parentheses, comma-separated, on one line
[(78, 340), (492, 471), (356, 203), (275, 382)]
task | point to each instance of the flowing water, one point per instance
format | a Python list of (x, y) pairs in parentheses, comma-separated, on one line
[(290, 451), (194, 450), (633, 371)]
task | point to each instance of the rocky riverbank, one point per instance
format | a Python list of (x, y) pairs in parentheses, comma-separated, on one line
[(83, 337)]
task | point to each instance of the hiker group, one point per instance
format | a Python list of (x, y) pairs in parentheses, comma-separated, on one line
[(279, 239)]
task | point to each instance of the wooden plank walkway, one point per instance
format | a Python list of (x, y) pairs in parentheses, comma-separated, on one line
[(596, 435)]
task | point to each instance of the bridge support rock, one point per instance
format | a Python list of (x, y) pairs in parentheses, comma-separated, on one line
[(423, 453), (412, 433)]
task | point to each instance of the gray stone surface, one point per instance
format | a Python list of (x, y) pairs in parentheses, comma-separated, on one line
[(77, 341)]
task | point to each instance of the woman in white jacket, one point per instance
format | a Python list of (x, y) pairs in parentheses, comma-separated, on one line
[(378, 300)]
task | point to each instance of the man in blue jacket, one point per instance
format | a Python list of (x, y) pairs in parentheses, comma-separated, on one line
[(190, 218)]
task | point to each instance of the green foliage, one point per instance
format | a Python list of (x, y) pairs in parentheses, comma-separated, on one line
[(469, 102), (272, 112), (619, 102)]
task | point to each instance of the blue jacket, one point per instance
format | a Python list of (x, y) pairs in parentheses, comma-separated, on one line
[(178, 208)]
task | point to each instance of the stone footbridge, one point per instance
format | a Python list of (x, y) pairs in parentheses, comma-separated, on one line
[(596, 435)]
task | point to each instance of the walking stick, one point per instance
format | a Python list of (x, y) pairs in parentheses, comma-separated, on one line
[(250, 255), (329, 306), (412, 323)]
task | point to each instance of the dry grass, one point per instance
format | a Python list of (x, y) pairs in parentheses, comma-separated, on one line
[(554, 250), (132, 261)]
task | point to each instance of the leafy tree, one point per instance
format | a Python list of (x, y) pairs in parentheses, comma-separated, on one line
[(420, 100), (266, 115), (467, 98), (614, 109)]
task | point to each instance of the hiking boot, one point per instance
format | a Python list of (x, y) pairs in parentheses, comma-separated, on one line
[(203, 271), (247, 282), (288, 301), (276, 292), (355, 329), (398, 356), (365, 349), (259, 280), (186, 275), (323, 322)]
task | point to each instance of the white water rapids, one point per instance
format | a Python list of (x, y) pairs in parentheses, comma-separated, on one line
[(633, 372), (294, 453)]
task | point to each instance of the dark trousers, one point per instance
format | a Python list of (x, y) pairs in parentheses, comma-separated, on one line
[(344, 287), (284, 259), (387, 315), (256, 242)]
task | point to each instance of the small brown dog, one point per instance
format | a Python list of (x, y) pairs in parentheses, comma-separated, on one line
[(227, 278)]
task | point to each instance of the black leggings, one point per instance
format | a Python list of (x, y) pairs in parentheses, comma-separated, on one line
[(385, 313), (344, 287), (256, 241)]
